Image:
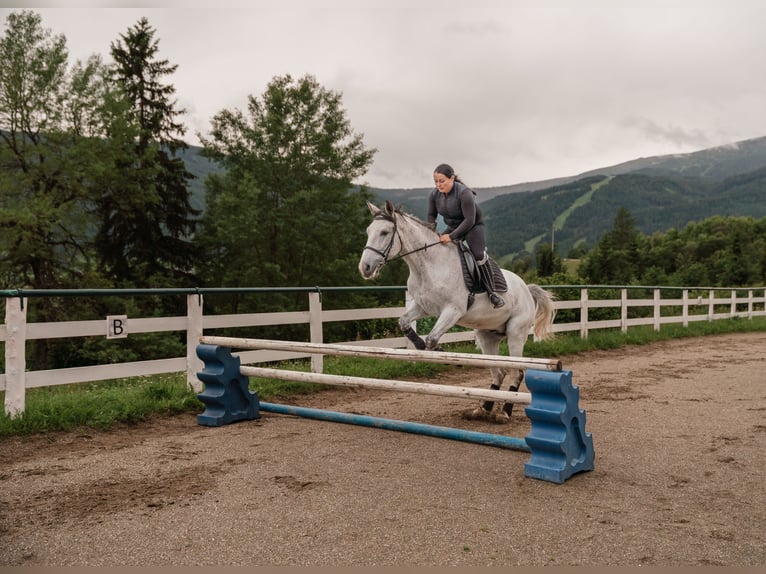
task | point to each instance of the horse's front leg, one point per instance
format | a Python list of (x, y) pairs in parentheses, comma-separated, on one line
[(447, 319), (412, 312)]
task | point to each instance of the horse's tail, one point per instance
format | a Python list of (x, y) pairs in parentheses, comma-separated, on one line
[(544, 312)]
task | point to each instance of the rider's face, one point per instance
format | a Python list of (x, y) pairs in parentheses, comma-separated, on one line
[(443, 183)]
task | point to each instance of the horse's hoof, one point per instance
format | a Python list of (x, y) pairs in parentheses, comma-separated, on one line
[(500, 417), (477, 414)]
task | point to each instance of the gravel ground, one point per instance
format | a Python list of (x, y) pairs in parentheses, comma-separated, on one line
[(679, 430)]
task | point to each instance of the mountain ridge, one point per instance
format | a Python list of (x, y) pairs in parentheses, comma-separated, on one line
[(661, 192)]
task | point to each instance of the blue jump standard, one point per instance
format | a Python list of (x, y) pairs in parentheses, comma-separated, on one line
[(557, 440)]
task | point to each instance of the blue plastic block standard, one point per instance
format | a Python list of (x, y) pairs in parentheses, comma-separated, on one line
[(226, 396), (560, 446)]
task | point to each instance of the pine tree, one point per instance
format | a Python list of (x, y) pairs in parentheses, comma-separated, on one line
[(146, 218), (617, 257)]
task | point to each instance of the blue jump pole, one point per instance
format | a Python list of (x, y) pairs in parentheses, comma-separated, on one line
[(402, 426)]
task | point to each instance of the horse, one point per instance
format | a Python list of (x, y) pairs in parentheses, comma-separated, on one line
[(437, 288)]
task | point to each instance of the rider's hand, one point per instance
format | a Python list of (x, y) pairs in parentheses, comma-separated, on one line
[(445, 238)]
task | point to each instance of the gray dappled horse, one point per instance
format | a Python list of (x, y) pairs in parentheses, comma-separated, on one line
[(437, 288)]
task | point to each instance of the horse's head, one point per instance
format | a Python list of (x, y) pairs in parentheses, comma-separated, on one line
[(382, 240)]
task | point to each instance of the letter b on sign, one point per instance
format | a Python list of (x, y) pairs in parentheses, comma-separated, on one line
[(116, 326)]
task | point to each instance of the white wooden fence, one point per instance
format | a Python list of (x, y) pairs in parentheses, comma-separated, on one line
[(15, 332)]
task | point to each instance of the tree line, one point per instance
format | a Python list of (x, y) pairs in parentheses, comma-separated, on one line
[(720, 251)]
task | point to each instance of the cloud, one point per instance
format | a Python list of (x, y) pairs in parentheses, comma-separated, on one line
[(674, 134), (505, 90)]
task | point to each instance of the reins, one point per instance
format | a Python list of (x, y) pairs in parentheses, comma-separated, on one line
[(384, 254), (413, 251)]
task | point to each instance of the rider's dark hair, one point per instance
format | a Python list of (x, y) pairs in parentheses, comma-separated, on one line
[(446, 170)]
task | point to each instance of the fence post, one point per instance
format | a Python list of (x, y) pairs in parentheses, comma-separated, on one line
[(657, 309), (315, 329), (15, 355), (193, 332), (733, 306), (749, 303), (685, 311), (711, 305), (624, 310), (584, 313)]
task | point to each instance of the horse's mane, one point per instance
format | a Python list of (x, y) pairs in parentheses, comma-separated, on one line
[(390, 210)]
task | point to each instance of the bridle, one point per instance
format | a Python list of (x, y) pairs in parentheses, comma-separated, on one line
[(387, 250)]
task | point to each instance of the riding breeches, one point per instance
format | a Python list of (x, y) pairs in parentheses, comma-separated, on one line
[(477, 241)]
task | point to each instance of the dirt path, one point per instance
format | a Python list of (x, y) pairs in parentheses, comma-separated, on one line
[(679, 430)]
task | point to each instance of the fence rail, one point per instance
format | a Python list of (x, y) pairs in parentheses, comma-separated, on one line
[(714, 304)]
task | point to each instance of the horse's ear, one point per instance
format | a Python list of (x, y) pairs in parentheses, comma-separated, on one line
[(390, 207), (373, 209)]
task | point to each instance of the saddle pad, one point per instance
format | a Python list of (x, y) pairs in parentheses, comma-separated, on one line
[(471, 273)]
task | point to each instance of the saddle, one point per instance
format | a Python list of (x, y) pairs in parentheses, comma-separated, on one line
[(471, 276)]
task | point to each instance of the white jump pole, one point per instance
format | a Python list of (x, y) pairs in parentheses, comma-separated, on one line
[(388, 385), (443, 357)]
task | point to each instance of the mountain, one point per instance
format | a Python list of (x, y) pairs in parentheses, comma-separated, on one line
[(716, 164), (661, 192), (583, 210)]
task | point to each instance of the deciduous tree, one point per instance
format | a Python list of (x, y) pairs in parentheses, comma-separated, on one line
[(286, 213)]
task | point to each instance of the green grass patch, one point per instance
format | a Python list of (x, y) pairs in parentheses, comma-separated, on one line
[(102, 404), (99, 405)]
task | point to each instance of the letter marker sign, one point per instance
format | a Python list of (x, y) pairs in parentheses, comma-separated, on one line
[(116, 326)]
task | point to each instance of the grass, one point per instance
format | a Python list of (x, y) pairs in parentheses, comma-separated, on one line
[(100, 405)]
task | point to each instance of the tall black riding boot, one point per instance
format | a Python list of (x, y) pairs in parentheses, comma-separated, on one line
[(489, 284)]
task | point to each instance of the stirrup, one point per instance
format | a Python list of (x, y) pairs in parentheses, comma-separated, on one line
[(496, 300)]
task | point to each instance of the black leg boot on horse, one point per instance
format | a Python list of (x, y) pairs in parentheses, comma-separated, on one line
[(489, 282)]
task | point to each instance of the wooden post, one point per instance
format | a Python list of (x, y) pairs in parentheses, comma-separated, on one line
[(193, 332), (315, 329), (749, 303), (657, 309), (624, 310), (584, 314), (15, 355), (685, 311)]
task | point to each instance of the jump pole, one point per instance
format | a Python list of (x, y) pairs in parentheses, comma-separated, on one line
[(389, 385), (443, 357), (558, 442), (488, 439)]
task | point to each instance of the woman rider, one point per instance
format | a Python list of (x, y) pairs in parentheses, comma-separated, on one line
[(455, 202)]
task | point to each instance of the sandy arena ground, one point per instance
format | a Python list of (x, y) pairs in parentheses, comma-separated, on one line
[(679, 430)]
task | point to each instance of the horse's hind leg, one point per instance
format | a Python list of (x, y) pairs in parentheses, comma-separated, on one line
[(516, 342), (515, 385), (489, 343)]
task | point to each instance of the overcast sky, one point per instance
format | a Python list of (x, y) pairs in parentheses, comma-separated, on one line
[(507, 91)]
